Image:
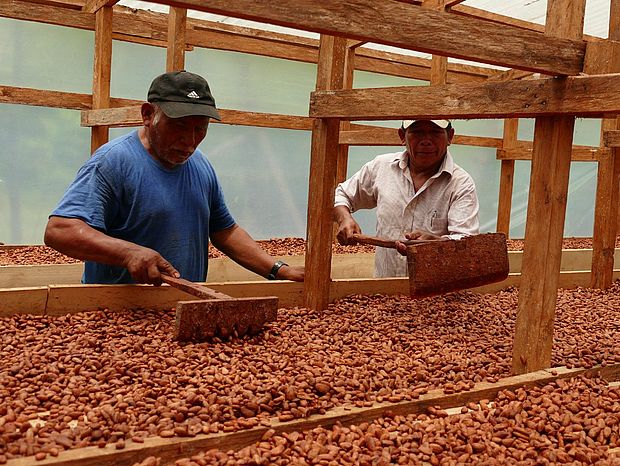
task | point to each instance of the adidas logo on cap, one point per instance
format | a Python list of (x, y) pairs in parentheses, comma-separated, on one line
[(193, 95)]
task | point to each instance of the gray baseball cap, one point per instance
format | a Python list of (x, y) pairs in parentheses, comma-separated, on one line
[(181, 94)]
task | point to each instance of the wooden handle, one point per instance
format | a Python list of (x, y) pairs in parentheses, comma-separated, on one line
[(373, 240), (387, 243), (192, 288)]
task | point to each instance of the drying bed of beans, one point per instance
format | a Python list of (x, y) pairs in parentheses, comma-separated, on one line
[(39, 255), (574, 421), (96, 378)]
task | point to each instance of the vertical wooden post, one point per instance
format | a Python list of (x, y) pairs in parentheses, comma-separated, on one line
[(322, 183), (175, 56), (506, 178), (102, 72), (546, 210), (606, 60), (439, 70), (343, 151)]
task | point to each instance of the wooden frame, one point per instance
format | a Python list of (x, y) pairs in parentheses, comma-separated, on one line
[(560, 50)]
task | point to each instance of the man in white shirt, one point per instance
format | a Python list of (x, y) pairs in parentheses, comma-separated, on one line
[(419, 193)]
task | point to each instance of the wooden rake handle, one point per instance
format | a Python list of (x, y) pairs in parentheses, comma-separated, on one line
[(199, 291), (387, 243)]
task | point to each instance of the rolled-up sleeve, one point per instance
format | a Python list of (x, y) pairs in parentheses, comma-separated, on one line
[(358, 192)]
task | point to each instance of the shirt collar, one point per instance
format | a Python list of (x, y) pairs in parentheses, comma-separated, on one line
[(447, 165)]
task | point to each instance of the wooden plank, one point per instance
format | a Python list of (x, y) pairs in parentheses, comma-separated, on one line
[(102, 69), (40, 275), (23, 301), (367, 135), (506, 178), (171, 449), (578, 154), (611, 138), (223, 269), (608, 176), (177, 26), (410, 28), (546, 211), (65, 4), (78, 298), (92, 6), (343, 149), (147, 27), (587, 96), (440, 4), (509, 75), (322, 182), (53, 99), (130, 116)]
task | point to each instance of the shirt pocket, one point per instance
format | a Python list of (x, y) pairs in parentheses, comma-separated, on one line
[(438, 226)]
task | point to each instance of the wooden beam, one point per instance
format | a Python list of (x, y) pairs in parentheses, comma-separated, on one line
[(587, 96), (506, 178), (509, 75), (102, 72), (177, 27), (440, 5), (92, 6), (578, 154), (130, 116), (546, 209), (53, 99), (146, 27), (367, 135), (608, 174), (611, 138), (323, 167), (171, 449), (410, 28)]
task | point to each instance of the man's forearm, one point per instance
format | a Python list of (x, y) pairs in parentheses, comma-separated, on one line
[(75, 238)]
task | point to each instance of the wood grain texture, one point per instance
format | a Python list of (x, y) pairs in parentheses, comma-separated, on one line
[(543, 243), (322, 179), (130, 116), (368, 135), (546, 213), (578, 154), (102, 70), (394, 23), (147, 27), (587, 96), (177, 27), (608, 174), (92, 6), (611, 138), (506, 177)]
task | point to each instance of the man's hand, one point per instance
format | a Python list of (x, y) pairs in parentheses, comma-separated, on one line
[(291, 272), (417, 235), (146, 265)]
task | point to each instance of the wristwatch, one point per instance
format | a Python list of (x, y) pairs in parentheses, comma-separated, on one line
[(274, 270)]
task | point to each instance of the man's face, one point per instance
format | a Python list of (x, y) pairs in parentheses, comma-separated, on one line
[(426, 144), (173, 140)]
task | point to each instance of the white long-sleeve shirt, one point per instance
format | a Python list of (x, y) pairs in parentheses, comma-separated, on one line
[(446, 205)]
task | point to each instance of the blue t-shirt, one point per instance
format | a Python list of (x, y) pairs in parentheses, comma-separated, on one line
[(125, 193)]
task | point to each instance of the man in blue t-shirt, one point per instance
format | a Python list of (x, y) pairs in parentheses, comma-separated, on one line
[(148, 202)]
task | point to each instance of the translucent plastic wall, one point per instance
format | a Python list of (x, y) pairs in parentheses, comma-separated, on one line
[(264, 171)]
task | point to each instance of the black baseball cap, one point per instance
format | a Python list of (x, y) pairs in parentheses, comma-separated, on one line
[(181, 94)]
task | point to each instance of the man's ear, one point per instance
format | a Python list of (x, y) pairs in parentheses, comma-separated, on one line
[(148, 112), (401, 134), (450, 135)]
